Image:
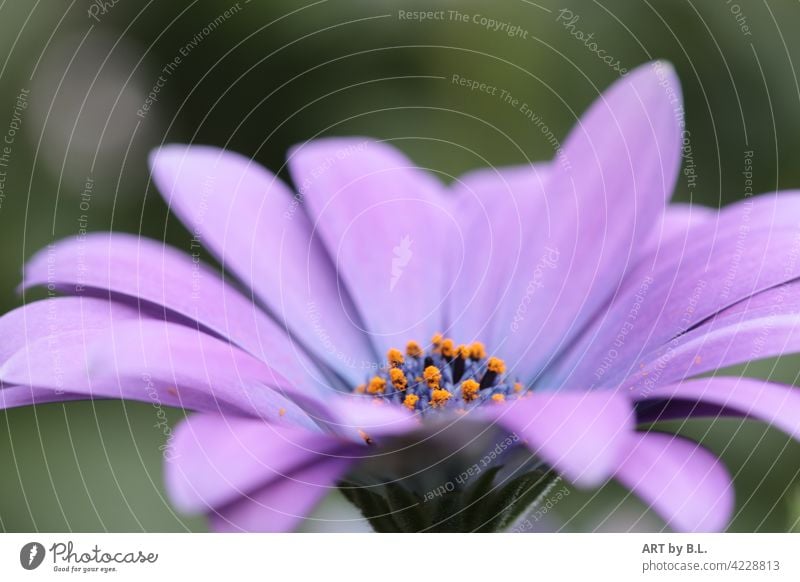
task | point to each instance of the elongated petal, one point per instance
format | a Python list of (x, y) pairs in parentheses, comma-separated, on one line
[(607, 190), (686, 484), (704, 350), (250, 220), (57, 315), (16, 396), (496, 208), (157, 361), (753, 246), (215, 459), (580, 434), (676, 221), (774, 404), (387, 226), (283, 504), (146, 271)]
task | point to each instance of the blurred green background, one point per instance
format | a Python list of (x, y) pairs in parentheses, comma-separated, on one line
[(276, 73)]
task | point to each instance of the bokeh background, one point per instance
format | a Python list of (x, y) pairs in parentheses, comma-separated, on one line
[(275, 73)]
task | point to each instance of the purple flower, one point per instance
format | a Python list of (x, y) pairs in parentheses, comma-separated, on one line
[(417, 343)]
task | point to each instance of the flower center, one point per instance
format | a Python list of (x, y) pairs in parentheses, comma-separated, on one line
[(448, 376)]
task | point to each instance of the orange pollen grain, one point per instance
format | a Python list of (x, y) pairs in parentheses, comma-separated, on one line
[(448, 348), (439, 397), (498, 398), (432, 376), (395, 357), (413, 350), (496, 365), (398, 379), (377, 385), (477, 351), (365, 436), (469, 390), (410, 401)]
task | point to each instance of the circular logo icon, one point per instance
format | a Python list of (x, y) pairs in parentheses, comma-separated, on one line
[(31, 555)]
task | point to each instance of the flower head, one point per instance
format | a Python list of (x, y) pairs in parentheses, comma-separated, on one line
[(587, 308)]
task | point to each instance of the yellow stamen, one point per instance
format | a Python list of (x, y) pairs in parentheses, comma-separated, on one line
[(398, 379), (439, 397), (366, 437), (410, 401), (432, 376), (377, 385), (448, 348), (395, 357), (360, 389), (436, 340), (469, 390), (413, 350), (477, 351), (498, 398), (517, 387), (462, 352), (496, 365), (281, 411)]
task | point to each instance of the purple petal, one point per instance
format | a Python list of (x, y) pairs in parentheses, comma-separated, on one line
[(580, 434), (677, 220), (283, 504), (729, 339), (56, 315), (386, 224), (607, 190), (252, 223), (214, 459), (155, 361), (777, 405), (495, 207), (686, 484), (752, 247), (352, 417), (16, 396), (145, 270)]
